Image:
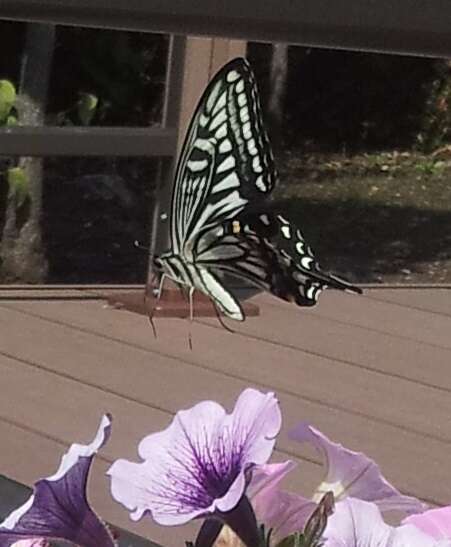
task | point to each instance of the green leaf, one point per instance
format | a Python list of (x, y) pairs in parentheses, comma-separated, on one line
[(7, 99), (11, 120), (19, 184), (314, 527), (295, 540), (87, 107)]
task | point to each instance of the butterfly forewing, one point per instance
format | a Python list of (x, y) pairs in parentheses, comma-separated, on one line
[(226, 159)]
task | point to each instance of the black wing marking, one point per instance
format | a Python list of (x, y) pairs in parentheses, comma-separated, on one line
[(225, 250), (295, 274), (226, 159)]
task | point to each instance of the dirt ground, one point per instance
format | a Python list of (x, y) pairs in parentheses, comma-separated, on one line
[(382, 217)]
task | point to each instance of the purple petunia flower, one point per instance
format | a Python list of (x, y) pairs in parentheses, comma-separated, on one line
[(281, 512), (348, 474), (357, 523), (353, 474), (201, 464), (435, 522), (58, 508)]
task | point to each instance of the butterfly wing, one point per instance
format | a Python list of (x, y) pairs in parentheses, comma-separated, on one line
[(296, 275), (226, 168), (226, 162), (226, 159)]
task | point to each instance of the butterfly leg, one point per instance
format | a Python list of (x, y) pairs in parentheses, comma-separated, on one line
[(160, 286), (221, 321), (157, 296)]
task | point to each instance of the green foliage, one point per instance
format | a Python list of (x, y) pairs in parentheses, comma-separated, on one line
[(12, 120), (82, 112), (7, 100), (314, 528), (111, 77), (430, 167), (87, 107), (436, 123), (18, 184)]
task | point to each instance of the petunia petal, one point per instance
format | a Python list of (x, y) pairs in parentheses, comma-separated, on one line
[(356, 523), (58, 508), (283, 512), (434, 522), (354, 474), (32, 542), (268, 477), (200, 464), (257, 420)]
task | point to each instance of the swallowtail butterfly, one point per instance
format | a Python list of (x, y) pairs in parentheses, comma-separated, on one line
[(226, 169)]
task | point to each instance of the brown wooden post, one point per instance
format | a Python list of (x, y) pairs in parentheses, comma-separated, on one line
[(203, 58)]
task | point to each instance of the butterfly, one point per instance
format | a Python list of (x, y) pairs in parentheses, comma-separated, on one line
[(219, 222)]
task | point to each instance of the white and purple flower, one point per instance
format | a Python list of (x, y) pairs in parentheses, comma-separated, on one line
[(434, 522), (353, 474), (201, 465), (352, 477), (357, 523), (58, 508)]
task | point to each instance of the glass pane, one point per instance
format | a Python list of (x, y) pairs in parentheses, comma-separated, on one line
[(93, 210), (124, 72), (97, 77), (363, 149)]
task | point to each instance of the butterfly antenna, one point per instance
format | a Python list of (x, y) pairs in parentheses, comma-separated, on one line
[(140, 246), (221, 321)]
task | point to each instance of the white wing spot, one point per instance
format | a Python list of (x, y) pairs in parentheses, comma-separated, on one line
[(225, 146), (300, 247), (241, 99), (286, 232), (260, 184), (244, 114), (221, 132), (240, 86), (205, 145), (197, 165), (312, 293), (230, 181), (203, 120), (232, 76), (213, 96), (282, 220), (247, 130), (220, 118), (228, 163), (252, 149), (265, 219), (306, 261), (220, 103), (256, 165)]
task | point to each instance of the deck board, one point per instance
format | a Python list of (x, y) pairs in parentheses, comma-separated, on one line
[(371, 372)]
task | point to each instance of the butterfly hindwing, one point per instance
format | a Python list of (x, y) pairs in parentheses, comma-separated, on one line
[(297, 275)]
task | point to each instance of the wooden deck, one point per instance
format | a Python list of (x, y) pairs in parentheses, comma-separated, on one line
[(373, 372)]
